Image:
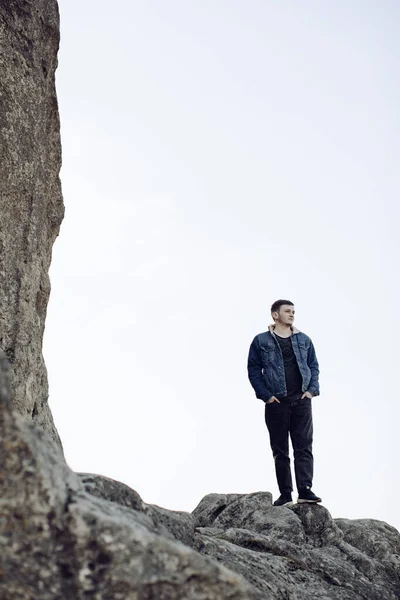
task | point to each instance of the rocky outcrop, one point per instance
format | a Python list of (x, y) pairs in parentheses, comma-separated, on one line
[(299, 552), (176, 525), (31, 207), (57, 541), (75, 536)]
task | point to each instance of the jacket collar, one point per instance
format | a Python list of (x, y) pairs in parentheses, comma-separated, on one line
[(271, 328)]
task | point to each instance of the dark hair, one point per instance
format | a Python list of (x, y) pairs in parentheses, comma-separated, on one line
[(278, 303)]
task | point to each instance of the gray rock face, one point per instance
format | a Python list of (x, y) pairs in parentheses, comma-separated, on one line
[(69, 536), (77, 536), (176, 525), (57, 541), (299, 552), (31, 207)]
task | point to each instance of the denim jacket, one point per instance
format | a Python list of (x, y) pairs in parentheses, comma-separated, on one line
[(266, 368)]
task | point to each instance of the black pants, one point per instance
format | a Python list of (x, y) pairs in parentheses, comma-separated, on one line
[(294, 418)]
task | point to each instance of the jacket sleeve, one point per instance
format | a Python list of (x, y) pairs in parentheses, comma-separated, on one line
[(254, 369), (314, 368)]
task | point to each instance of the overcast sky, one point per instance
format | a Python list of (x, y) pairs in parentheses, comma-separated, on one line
[(219, 155)]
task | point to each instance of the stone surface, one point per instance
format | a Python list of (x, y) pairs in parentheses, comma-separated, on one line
[(31, 206), (57, 541), (299, 552), (70, 536), (77, 536), (111, 490), (177, 525)]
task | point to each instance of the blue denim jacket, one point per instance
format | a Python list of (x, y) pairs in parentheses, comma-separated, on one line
[(266, 369)]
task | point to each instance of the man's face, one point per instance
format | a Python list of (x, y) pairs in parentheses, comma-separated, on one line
[(285, 316)]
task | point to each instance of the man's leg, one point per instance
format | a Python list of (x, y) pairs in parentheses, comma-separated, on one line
[(301, 434), (277, 419)]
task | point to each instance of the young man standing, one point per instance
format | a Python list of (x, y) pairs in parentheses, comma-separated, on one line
[(283, 370)]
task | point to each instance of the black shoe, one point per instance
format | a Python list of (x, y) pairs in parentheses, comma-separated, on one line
[(284, 500), (306, 495)]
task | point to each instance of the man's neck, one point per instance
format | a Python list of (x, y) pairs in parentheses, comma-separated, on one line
[(283, 330)]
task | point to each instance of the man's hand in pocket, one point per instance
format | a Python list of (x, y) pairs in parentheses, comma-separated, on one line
[(273, 399), (307, 395)]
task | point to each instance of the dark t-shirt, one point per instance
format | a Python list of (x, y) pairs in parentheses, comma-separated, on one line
[(292, 372)]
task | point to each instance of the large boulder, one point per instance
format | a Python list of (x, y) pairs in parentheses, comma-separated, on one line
[(31, 206), (57, 541), (75, 536), (178, 525), (299, 552)]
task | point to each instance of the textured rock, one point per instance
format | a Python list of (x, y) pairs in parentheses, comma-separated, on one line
[(76, 536), (70, 536), (178, 525), (31, 207), (59, 542), (299, 552), (251, 511), (111, 490), (284, 553)]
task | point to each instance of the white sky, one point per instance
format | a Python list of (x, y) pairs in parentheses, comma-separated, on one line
[(219, 155)]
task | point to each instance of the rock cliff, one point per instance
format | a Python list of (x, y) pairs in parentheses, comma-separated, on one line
[(74, 536), (31, 206)]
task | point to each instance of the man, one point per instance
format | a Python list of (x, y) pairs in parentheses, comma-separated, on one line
[(283, 370)]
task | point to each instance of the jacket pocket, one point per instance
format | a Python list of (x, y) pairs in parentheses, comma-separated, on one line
[(267, 353), (303, 351)]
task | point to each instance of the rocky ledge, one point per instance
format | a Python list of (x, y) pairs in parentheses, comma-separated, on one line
[(74, 536), (78, 536)]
